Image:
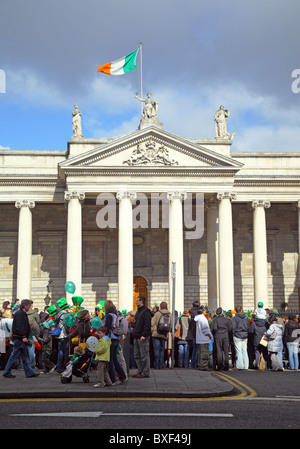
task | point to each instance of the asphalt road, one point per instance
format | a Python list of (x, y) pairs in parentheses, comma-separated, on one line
[(271, 401)]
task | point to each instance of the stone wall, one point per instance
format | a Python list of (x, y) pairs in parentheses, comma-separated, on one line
[(100, 257)]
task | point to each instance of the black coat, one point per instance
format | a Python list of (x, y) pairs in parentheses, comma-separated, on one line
[(258, 328), (142, 323), (20, 326)]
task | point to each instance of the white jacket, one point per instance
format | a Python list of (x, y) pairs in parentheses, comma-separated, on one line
[(202, 329)]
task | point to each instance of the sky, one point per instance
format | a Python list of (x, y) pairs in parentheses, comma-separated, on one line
[(197, 55)]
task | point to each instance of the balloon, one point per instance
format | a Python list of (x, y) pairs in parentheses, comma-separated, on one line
[(96, 322), (70, 319), (70, 287), (92, 344)]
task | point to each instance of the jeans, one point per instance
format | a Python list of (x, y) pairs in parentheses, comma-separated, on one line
[(159, 352), (114, 364), (62, 352), (242, 360), (183, 354), (19, 348), (293, 354)]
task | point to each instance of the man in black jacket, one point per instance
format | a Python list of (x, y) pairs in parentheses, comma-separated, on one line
[(141, 334), (221, 326), (20, 335)]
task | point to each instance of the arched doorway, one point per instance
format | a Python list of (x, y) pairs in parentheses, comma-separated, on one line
[(139, 289)]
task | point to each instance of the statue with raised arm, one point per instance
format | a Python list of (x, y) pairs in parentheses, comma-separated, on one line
[(150, 108), (76, 122), (220, 123)]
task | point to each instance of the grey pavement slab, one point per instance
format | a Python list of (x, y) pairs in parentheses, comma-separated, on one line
[(177, 382)]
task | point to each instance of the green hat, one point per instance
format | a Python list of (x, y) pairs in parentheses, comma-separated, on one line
[(77, 300), (260, 304), (52, 310), (274, 311), (62, 303)]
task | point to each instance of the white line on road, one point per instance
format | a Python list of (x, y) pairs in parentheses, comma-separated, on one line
[(98, 414)]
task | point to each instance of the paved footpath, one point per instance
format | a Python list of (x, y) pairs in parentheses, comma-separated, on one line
[(177, 382)]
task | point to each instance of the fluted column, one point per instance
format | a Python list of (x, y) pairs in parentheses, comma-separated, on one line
[(125, 250), (226, 265), (74, 240), (176, 248), (260, 252), (24, 274), (212, 253)]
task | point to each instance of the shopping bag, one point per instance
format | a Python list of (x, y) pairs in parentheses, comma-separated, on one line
[(261, 363)]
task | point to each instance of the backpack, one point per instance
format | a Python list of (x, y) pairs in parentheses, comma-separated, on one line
[(164, 323), (56, 329), (119, 325)]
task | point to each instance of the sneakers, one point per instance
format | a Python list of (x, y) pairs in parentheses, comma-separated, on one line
[(33, 375), (98, 386), (9, 376), (139, 375)]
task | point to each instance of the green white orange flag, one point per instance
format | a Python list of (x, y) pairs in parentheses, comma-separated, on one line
[(121, 66)]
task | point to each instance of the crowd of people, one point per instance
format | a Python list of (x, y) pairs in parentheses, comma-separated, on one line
[(223, 340)]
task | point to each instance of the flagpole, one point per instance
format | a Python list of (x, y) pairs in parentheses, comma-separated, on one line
[(141, 74)]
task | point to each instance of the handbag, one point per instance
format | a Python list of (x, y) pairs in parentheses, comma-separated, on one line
[(264, 341), (178, 331)]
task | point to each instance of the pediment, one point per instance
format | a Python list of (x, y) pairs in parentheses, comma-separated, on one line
[(150, 148)]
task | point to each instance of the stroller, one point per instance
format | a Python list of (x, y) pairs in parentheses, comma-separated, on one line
[(80, 368)]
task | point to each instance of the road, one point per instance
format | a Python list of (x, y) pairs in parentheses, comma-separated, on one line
[(263, 400)]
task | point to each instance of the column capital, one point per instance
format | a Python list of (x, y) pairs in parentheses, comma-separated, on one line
[(261, 203), (124, 194), (24, 203), (176, 196), (226, 195), (70, 195)]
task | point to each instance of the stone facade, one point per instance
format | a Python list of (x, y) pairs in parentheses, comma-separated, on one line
[(202, 166)]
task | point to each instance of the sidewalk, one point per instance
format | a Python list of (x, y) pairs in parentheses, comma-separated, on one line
[(169, 383)]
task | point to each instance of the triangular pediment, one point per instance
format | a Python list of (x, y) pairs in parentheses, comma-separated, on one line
[(150, 148)]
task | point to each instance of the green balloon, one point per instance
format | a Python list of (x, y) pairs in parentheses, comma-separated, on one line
[(96, 322), (70, 319), (70, 287)]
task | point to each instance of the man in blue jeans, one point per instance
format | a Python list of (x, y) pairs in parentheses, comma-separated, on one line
[(20, 335)]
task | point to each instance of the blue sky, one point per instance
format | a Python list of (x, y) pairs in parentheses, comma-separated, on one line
[(197, 55)]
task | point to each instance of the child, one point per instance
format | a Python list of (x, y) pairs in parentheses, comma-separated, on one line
[(78, 351), (45, 339), (102, 357)]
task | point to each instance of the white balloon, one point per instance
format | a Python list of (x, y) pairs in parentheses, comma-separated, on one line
[(92, 344)]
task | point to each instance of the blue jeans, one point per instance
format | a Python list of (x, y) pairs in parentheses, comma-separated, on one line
[(183, 354), (159, 345), (293, 354), (19, 349), (62, 352)]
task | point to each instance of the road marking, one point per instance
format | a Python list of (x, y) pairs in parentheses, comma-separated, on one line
[(98, 414), (246, 391)]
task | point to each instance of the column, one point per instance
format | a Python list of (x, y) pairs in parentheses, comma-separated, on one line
[(125, 250), (74, 240), (212, 253), (176, 248), (260, 252), (24, 274), (226, 266)]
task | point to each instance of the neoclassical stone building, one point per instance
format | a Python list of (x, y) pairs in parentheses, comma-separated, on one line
[(248, 203)]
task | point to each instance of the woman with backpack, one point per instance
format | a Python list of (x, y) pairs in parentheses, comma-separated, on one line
[(184, 340), (109, 322), (160, 327)]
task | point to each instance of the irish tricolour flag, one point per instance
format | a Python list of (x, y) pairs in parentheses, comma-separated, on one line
[(121, 66)]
